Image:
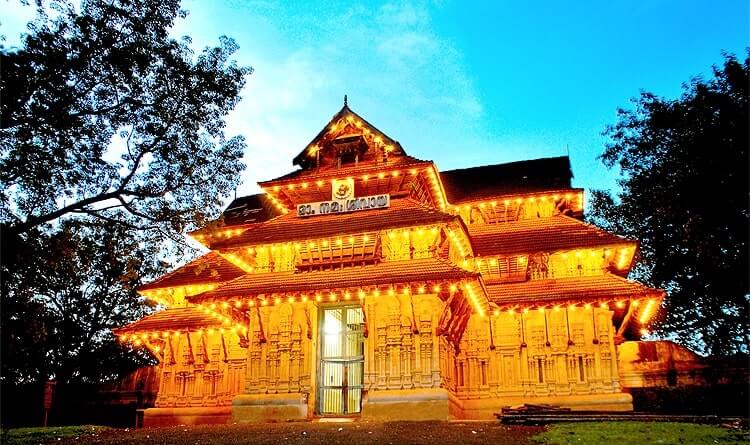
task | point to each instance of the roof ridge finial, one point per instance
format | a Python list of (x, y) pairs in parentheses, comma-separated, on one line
[(346, 101)]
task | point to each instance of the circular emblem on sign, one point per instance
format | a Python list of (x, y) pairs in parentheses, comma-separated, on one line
[(342, 191)]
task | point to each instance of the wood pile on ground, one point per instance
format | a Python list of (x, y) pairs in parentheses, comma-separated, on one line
[(542, 414)]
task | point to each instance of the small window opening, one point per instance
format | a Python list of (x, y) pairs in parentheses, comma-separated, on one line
[(540, 370), (581, 370)]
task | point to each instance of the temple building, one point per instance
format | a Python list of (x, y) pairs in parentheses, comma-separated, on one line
[(368, 283)]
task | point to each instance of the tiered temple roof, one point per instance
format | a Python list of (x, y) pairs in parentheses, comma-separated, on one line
[(540, 235), (173, 319), (500, 180), (208, 268), (403, 212), (565, 291), (385, 276), (522, 218)]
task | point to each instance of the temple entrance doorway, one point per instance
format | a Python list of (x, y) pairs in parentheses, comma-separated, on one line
[(341, 366)]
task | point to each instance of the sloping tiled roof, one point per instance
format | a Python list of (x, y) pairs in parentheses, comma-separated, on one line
[(538, 235), (382, 274), (505, 179), (209, 268), (401, 213), (174, 319), (587, 288), (361, 168), (251, 209), (342, 113)]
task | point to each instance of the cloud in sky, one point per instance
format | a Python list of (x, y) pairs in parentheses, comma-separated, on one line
[(463, 86), (397, 71)]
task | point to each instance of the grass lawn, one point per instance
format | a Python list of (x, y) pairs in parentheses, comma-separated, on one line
[(639, 433), (308, 433), (28, 436), (365, 432)]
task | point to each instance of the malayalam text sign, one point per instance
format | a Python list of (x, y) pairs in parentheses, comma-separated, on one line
[(344, 205)]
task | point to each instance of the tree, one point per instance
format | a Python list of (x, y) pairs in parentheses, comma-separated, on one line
[(69, 289), (112, 145), (684, 195), (104, 115)]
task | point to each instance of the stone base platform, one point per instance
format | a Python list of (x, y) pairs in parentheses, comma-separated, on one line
[(485, 409), (408, 404), (248, 408), (154, 417)]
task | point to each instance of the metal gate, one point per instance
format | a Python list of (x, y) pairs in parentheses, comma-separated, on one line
[(341, 361)]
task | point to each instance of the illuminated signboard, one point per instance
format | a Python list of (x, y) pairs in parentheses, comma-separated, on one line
[(344, 205)]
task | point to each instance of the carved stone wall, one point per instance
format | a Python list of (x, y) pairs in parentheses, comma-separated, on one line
[(201, 369), (402, 351), (280, 351), (527, 355), (572, 353)]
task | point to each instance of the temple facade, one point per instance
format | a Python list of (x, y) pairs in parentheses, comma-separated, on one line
[(368, 283)]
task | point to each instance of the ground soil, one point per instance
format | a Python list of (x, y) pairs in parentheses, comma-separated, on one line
[(355, 433)]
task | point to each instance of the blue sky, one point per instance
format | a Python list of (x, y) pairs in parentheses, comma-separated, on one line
[(461, 84)]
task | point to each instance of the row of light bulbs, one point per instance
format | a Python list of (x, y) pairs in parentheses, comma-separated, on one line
[(517, 200), (645, 315), (319, 297), (469, 288), (138, 338), (357, 123), (341, 241), (228, 233), (436, 189), (361, 293), (192, 289), (142, 337), (458, 242), (578, 253), (325, 243)]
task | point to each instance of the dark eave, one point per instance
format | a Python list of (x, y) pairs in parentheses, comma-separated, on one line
[(536, 175)]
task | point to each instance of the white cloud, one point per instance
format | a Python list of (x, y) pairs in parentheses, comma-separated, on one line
[(389, 60)]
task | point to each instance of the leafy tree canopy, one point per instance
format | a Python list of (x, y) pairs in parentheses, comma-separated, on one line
[(684, 195), (111, 143), (68, 289), (104, 115)]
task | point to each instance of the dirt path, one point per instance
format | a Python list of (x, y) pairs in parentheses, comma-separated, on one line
[(355, 433)]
